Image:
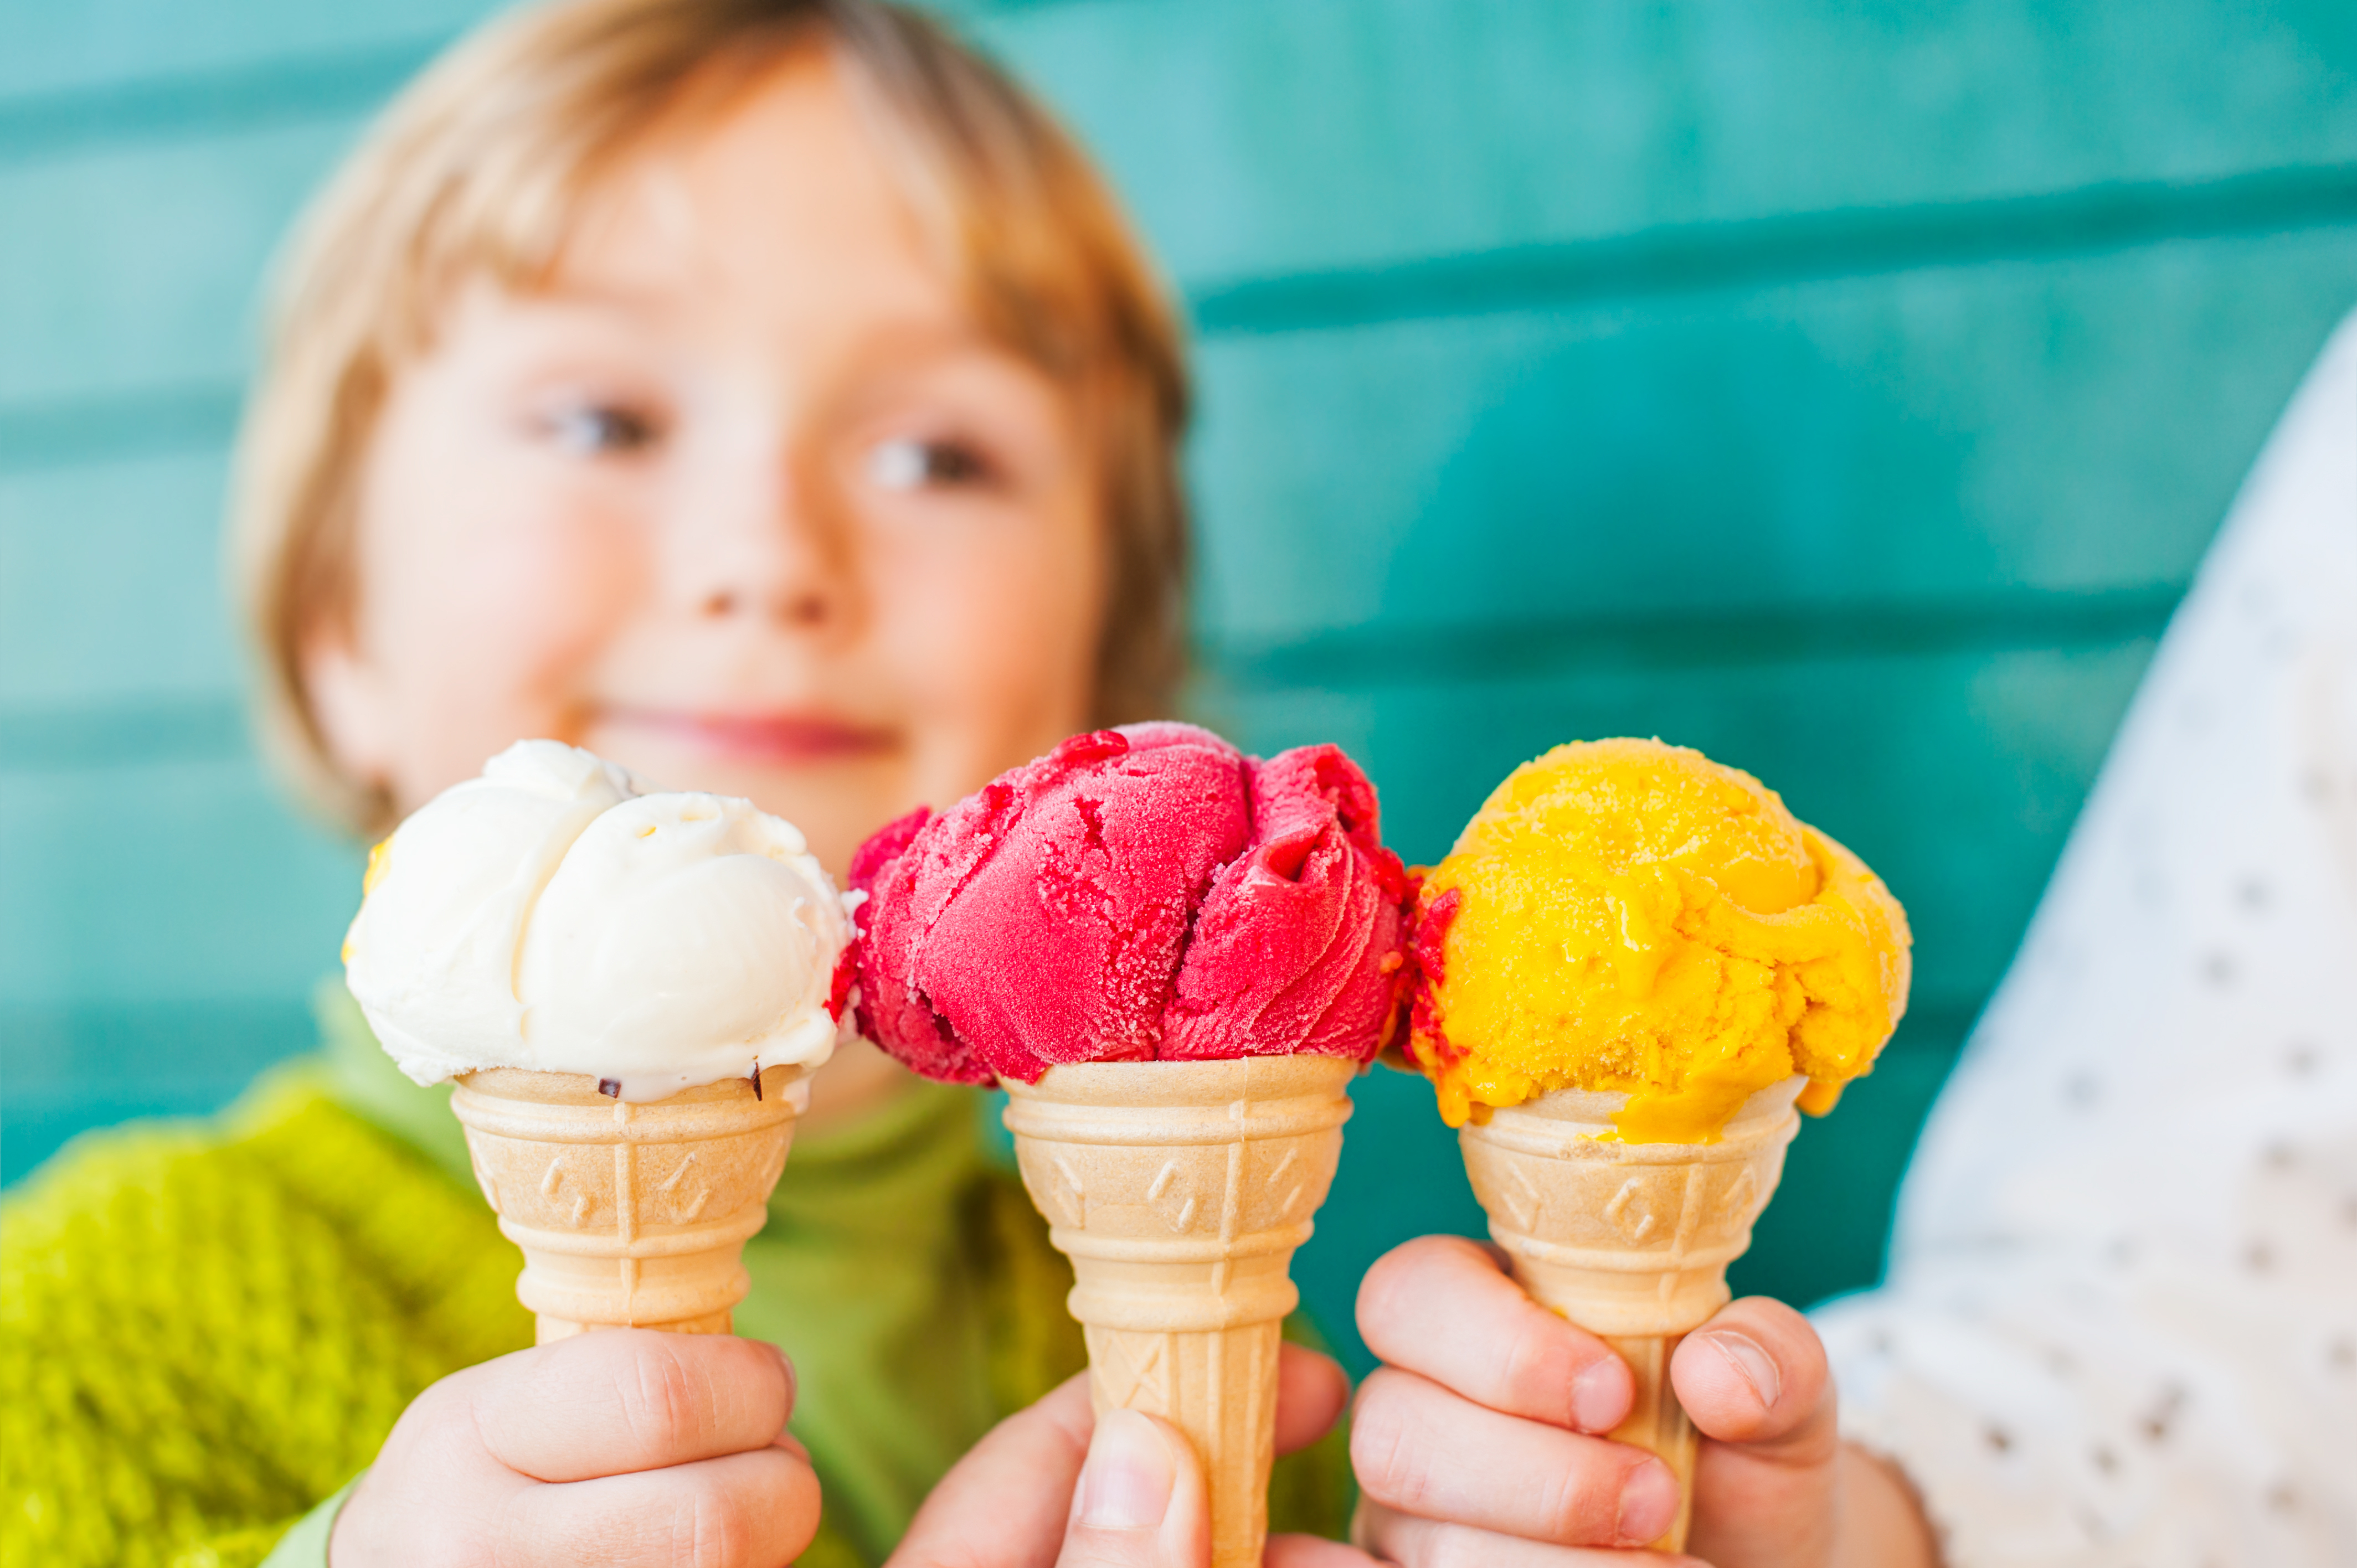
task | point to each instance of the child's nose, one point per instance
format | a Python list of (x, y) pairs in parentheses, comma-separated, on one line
[(806, 608), (760, 552)]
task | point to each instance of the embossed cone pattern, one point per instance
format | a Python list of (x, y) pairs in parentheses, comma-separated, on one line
[(1629, 1241), (1180, 1190), (628, 1215)]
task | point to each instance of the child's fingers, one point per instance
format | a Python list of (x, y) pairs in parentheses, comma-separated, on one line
[(1018, 1495), (1442, 1306), (1140, 1501), (1310, 1552), (1006, 1502), (742, 1510), (628, 1399), (1420, 1449), (1312, 1391), (1753, 1378), (1414, 1543), (1755, 1374)]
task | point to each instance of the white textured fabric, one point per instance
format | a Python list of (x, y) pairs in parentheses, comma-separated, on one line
[(2121, 1321)]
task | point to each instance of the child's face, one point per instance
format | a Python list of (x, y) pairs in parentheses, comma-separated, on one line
[(745, 500)]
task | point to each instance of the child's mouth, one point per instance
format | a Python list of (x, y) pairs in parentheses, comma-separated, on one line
[(763, 737)]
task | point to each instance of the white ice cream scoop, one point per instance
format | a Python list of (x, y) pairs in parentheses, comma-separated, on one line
[(556, 916)]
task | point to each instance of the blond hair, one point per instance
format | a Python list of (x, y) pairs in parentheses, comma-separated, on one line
[(483, 166)]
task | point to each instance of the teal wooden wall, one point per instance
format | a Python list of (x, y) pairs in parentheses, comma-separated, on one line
[(1846, 390)]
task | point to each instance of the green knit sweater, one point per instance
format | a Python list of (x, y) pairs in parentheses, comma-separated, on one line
[(208, 1328)]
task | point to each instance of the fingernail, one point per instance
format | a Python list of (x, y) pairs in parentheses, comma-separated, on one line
[(1745, 1354), (785, 1365), (1648, 1503), (1125, 1485), (1599, 1395)]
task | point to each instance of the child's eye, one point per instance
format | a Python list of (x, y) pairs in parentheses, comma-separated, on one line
[(909, 463), (595, 429)]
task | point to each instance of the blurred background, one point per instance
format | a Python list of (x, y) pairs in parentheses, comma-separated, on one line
[(1849, 391)]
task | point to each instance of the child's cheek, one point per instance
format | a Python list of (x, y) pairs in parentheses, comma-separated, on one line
[(500, 594), (551, 586), (994, 634)]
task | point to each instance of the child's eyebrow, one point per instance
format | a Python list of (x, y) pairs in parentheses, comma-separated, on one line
[(604, 297), (916, 339), (911, 334)]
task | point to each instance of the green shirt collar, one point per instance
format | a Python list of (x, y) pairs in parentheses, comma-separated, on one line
[(890, 1171)]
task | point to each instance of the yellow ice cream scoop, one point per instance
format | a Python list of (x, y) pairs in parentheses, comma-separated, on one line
[(1622, 914)]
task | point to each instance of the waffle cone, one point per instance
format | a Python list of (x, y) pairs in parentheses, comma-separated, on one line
[(1631, 1242), (1180, 1190), (628, 1215)]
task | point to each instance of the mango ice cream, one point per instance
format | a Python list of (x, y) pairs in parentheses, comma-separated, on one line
[(1623, 915)]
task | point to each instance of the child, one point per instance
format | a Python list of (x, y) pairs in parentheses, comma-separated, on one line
[(764, 394)]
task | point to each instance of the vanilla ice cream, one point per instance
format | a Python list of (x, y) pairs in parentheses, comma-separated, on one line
[(557, 915)]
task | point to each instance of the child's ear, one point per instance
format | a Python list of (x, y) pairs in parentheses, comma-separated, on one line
[(352, 705)]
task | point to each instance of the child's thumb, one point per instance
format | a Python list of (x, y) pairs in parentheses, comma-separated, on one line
[(1140, 1502)]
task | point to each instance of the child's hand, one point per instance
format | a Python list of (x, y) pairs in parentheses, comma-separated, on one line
[(1474, 1443), (622, 1446), (1052, 1484)]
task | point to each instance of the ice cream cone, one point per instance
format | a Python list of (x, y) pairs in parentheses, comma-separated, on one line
[(1631, 1242), (628, 1215), (1180, 1190)]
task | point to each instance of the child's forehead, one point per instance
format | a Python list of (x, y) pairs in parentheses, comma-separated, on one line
[(781, 339), (766, 216), (785, 192), (872, 338)]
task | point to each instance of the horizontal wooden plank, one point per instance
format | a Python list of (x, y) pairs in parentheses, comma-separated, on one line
[(119, 427), (1851, 243), (108, 49), (47, 126), (1472, 651), (1256, 138), (179, 880), (1978, 430), (111, 588), (131, 733), (56, 1045), (35, 1122), (140, 269), (1955, 777), (123, 70), (64, 1070)]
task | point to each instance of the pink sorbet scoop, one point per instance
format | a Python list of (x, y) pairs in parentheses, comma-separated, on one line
[(1138, 893)]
